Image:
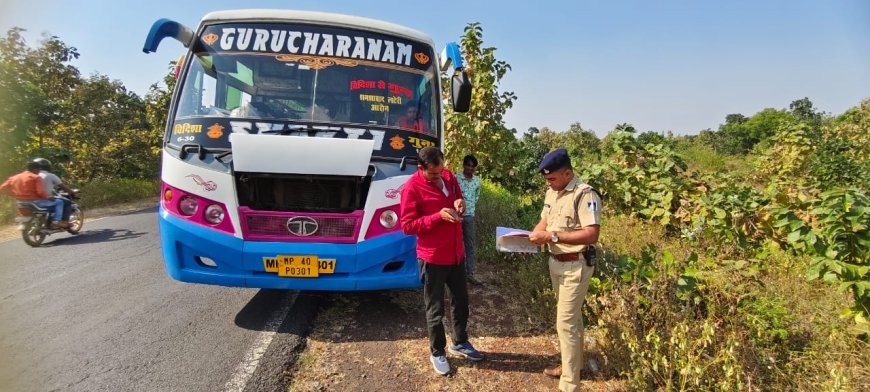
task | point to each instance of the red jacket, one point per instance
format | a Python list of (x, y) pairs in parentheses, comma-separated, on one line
[(438, 241), (25, 186)]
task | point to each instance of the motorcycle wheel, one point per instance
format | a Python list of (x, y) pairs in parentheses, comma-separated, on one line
[(76, 220), (32, 235)]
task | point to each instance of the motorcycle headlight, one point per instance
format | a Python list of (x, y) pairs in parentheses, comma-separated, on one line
[(388, 219), (214, 214), (187, 205)]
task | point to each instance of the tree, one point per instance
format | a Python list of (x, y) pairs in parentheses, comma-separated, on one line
[(157, 110), (739, 134), (481, 130), (36, 85), (582, 145), (106, 131), (735, 118), (523, 177), (650, 137), (803, 110)]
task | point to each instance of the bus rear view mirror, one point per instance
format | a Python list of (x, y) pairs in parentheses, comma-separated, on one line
[(163, 28), (460, 92)]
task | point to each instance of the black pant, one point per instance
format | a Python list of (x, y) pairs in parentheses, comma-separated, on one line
[(435, 277)]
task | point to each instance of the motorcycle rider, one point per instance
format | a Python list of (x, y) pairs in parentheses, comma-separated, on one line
[(52, 182), (27, 186)]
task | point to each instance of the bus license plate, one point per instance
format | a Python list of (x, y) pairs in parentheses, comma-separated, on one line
[(299, 266)]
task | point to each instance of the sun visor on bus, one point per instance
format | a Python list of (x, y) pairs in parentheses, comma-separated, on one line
[(300, 155)]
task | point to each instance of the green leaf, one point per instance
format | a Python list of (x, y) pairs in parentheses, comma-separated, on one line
[(844, 286), (815, 271), (666, 220)]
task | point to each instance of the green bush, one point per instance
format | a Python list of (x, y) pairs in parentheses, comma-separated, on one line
[(527, 274), (101, 193), (689, 323)]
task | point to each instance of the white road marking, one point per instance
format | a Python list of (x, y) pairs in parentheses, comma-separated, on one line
[(249, 364)]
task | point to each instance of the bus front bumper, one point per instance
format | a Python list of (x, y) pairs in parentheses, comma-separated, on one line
[(197, 254)]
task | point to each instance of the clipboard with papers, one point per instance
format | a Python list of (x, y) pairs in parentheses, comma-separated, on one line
[(515, 241)]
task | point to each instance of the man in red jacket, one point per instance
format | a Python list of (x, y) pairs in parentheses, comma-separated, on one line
[(27, 186), (431, 208)]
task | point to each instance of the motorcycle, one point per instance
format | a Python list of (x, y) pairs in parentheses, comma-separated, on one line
[(34, 222)]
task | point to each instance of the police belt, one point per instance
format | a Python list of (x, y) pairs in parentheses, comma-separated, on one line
[(565, 257)]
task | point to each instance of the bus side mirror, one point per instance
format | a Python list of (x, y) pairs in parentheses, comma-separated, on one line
[(163, 28), (460, 92)]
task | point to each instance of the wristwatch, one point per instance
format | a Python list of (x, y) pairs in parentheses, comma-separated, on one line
[(554, 238)]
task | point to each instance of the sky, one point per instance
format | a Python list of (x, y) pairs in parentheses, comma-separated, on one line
[(678, 66)]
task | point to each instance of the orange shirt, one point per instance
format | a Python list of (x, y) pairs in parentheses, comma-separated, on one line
[(417, 125), (25, 186)]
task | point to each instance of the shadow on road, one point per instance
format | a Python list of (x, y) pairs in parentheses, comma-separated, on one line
[(94, 236), (257, 312)]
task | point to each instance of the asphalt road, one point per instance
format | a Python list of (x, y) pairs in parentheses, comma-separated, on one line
[(97, 312)]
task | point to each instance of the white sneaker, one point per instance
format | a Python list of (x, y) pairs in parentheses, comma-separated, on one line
[(440, 364)]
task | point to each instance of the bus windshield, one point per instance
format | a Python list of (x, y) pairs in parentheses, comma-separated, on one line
[(283, 74)]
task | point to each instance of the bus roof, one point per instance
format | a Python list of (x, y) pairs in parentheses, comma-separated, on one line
[(267, 15)]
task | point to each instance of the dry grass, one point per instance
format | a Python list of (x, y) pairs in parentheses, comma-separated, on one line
[(377, 341)]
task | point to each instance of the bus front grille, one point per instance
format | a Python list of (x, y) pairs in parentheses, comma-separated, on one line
[(300, 227)]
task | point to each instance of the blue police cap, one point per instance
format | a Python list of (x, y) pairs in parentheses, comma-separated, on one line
[(554, 160)]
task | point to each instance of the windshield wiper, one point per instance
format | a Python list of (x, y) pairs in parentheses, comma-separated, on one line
[(200, 151), (306, 127), (288, 129)]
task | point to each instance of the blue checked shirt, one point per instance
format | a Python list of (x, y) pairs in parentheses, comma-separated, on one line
[(470, 191)]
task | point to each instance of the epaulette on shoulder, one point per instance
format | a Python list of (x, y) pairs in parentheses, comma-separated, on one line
[(584, 190)]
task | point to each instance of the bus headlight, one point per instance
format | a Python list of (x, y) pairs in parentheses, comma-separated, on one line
[(187, 205), (214, 214), (389, 219)]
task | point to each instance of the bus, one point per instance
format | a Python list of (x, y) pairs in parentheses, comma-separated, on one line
[(288, 139)]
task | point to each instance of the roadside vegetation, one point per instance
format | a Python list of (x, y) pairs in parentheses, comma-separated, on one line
[(734, 259), (100, 137)]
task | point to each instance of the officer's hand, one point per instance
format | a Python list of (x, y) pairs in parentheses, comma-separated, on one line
[(449, 215), (540, 237), (460, 206)]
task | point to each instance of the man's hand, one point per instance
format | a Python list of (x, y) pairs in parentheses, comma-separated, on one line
[(460, 206), (540, 237), (449, 215)]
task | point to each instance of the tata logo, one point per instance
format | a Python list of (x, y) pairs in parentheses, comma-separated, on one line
[(302, 226)]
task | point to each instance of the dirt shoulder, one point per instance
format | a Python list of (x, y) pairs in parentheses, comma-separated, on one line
[(377, 341), (11, 231)]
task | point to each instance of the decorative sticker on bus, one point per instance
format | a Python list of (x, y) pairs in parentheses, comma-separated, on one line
[(397, 142), (215, 131), (393, 193), (393, 88), (208, 186), (311, 40)]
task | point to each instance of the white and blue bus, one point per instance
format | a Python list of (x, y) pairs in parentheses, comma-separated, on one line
[(288, 139)]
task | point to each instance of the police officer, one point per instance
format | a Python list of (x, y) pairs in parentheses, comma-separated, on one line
[(569, 226)]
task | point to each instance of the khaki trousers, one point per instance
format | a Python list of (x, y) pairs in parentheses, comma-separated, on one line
[(570, 283)]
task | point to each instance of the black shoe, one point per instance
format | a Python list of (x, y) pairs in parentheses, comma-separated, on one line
[(474, 281)]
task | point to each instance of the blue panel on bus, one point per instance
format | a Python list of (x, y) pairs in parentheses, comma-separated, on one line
[(185, 244), (384, 262)]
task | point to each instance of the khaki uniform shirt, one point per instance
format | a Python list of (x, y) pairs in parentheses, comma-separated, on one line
[(559, 213)]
